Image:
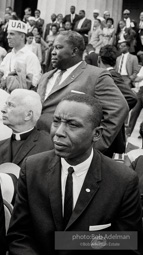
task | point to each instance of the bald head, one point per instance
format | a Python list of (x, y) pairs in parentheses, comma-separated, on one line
[(31, 101), (22, 110)]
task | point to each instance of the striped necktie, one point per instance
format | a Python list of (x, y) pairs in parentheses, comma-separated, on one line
[(121, 63)]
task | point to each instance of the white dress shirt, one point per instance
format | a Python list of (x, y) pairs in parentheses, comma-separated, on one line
[(80, 23), (79, 174), (52, 80), (23, 61)]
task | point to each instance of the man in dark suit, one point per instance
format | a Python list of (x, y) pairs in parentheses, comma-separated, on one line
[(41, 206), (72, 17), (20, 113), (83, 26), (2, 228), (77, 75), (91, 58), (49, 25), (107, 60), (39, 21)]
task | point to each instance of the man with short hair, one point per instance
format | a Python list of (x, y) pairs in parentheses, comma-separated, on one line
[(73, 188), (126, 17), (39, 20), (83, 26), (20, 113), (20, 60), (48, 28), (107, 59), (72, 17), (127, 64), (71, 73)]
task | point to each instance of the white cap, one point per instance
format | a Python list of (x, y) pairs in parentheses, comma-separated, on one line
[(32, 18), (17, 25), (126, 11), (106, 12), (96, 11)]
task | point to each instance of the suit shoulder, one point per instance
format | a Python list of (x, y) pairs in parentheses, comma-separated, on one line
[(40, 158), (97, 70), (4, 141), (117, 170)]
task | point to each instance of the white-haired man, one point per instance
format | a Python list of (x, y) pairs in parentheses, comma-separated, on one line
[(20, 113), (20, 60)]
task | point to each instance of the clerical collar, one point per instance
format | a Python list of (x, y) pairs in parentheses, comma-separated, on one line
[(22, 135)]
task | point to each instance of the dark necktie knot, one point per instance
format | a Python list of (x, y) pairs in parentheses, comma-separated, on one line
[(70, 170)]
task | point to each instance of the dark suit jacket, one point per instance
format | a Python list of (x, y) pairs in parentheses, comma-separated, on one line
[(48, 28), (91, 59), (2, 228), (40, 22), (95, 82), (68, 18), (119, 143), (85, 28), (113, 198), (36, 142), (129, 95)]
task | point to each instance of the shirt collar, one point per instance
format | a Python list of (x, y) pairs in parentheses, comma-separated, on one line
[(125, 54), (80, 168), (92, 51), (23, 50), (109, 68), (70, 69)]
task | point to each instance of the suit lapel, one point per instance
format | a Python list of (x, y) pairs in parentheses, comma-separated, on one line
[(44, 83), (70, 78), (55, 193), (27, 146), (89, 189), (6, 151)]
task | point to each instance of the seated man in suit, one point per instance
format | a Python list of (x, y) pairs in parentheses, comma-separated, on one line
[(2, 228), (20, 113), (74, 184), (71, 73)]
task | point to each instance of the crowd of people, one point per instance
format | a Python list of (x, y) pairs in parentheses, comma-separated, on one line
[(70, 105)]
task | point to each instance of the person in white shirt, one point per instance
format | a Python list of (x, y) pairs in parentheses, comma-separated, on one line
[(20, 59), (33, 46)]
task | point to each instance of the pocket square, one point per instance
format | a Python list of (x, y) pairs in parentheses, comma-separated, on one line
[(99, 227)]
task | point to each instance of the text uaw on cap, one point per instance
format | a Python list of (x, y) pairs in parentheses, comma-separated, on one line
[(17, 25)]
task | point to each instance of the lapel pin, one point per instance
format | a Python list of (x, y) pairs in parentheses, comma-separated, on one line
[(87, 190)]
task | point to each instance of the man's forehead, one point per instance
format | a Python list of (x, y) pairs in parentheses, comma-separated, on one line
[(72, 109), (60, 39)]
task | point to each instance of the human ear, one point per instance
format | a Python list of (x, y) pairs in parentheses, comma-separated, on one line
[(97, 133)]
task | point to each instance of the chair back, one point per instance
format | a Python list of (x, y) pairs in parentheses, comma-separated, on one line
[(8, 208)]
